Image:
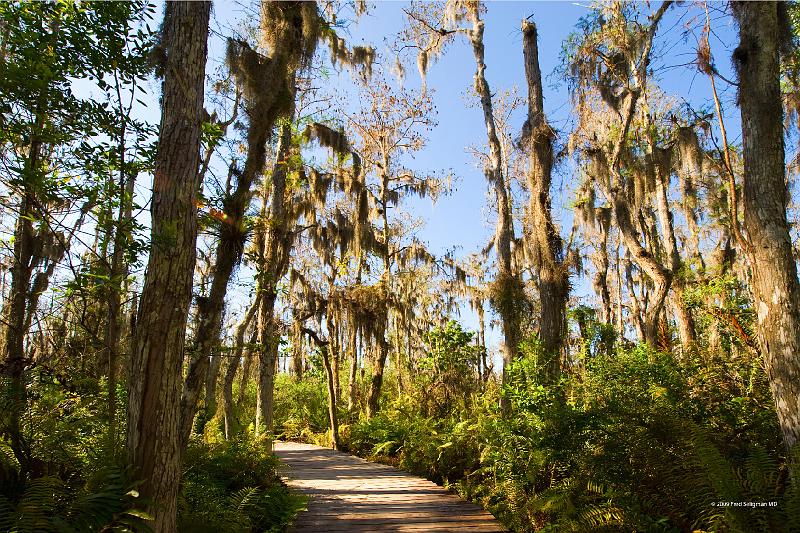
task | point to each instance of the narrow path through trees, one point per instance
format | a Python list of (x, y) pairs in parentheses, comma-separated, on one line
[(347, 493)]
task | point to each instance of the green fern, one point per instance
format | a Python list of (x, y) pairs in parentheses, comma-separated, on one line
[(49, 504), (759, 479), (389, 447), (593, 516), (245, 498), (7, 514)]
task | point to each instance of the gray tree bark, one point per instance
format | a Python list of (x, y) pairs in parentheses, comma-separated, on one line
[(273, 243), (774, 283), (153, 439), (546, 243), (508, 285), (233, 367)]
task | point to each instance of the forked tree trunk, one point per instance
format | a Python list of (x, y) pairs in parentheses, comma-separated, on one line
[(508, 287), (660, 276), (683, 316), (774, 282), (157, 352), (379, 365)]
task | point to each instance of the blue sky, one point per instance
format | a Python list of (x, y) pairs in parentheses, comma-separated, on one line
[(463, 219)]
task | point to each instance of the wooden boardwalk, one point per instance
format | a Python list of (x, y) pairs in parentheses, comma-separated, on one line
[(348, 494)]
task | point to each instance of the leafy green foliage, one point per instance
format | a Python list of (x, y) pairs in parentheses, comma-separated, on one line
[(301, 407), (81, 483), (632, 439), (50, 504), (232, 486), (448, 374)]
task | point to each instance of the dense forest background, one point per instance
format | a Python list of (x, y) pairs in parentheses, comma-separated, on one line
[(212, 236)]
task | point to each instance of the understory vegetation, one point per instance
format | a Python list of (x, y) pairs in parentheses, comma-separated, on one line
[(213, 235), (81, 482), (630, 439)]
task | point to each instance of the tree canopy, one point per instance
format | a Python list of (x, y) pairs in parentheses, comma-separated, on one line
[(221, 227)]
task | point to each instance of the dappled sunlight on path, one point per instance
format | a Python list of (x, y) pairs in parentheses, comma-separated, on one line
[(347, 493)]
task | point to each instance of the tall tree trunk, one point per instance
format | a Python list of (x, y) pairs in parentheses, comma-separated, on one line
[(274, 243), (233, 366), (776, 290), (600, 279), (227, 392), (117, 273), (330, 378), (157, 353), (351, 381), (247, 368), (212, 382), (683, 316), (297, 354), (204, 365), (546, 244), (507, 283), (618, 304), (482, 341), (14, 361), (332, 415), (209, 323), (379, 362), (373, 398), (334, 350), (267, 358)]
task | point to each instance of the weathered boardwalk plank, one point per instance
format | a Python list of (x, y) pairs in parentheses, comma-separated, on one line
[(349, 494)]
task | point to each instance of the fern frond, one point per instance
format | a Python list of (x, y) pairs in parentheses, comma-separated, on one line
[(7, 515), (601, 515), (244, 498)]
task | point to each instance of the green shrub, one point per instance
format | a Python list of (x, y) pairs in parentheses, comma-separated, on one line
[(631, 439), (301, 407), (103, 501), (233, 486)]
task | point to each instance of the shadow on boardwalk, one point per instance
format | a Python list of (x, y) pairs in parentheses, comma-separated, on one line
[(347, 493)]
